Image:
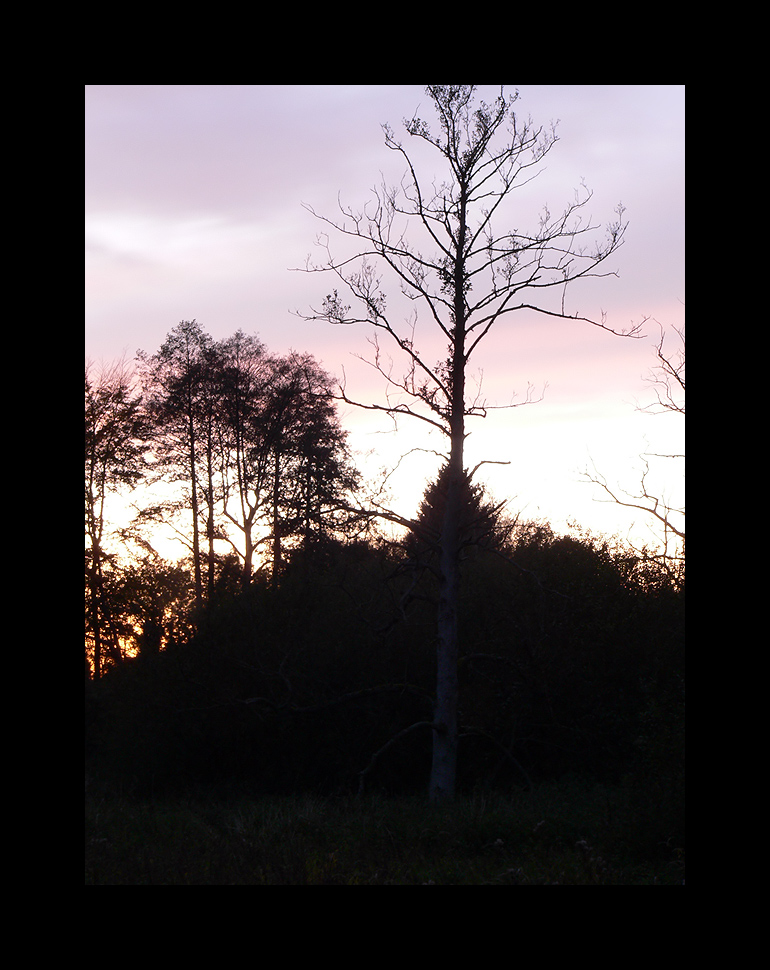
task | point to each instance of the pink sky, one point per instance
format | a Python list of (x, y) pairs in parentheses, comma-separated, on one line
[(194, 210)]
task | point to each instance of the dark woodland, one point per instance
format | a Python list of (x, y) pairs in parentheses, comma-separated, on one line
[(311, 671), (291, 651)]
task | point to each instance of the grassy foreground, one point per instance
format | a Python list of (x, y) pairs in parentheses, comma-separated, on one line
[(558, 834)]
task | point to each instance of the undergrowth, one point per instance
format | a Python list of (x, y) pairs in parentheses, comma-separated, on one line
[(565, 833)]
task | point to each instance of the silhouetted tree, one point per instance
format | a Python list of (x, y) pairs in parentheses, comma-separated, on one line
[(244, 376), (177, 383), (449, 261), (480, 523), (114, 458), (151, 603), (313, 474), (285, 464)]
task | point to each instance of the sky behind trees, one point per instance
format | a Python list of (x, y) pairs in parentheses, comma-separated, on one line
[(194, 210)]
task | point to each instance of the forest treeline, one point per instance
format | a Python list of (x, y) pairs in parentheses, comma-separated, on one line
[(252, 448), (303, 657)]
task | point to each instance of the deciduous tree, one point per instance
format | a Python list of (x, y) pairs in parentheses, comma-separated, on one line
[(313, 472), (115, 436), (244, 375), (434, 237), (179, 401)]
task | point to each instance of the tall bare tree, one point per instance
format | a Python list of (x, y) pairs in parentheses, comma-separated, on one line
[(465, 278)]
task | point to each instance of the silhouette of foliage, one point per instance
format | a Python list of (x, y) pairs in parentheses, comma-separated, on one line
[(571, 665), (115, 436), (255, 441)]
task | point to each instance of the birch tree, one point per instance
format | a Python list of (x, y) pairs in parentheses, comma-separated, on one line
[(439, 241)]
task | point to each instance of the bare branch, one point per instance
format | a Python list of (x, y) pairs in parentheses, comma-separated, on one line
[(668, 379), (646, 502)]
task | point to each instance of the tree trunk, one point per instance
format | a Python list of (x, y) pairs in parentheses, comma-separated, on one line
[(210, 524), (248, 556), (97, 633), (194, 503), (444, 767), (276, 519)]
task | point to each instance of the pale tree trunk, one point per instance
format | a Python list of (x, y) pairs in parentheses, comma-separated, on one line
[(444, 767)]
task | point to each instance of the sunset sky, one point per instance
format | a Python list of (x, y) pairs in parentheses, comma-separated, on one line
[(194, 209)]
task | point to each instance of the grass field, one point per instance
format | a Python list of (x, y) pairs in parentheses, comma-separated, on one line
[(567, 834)]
